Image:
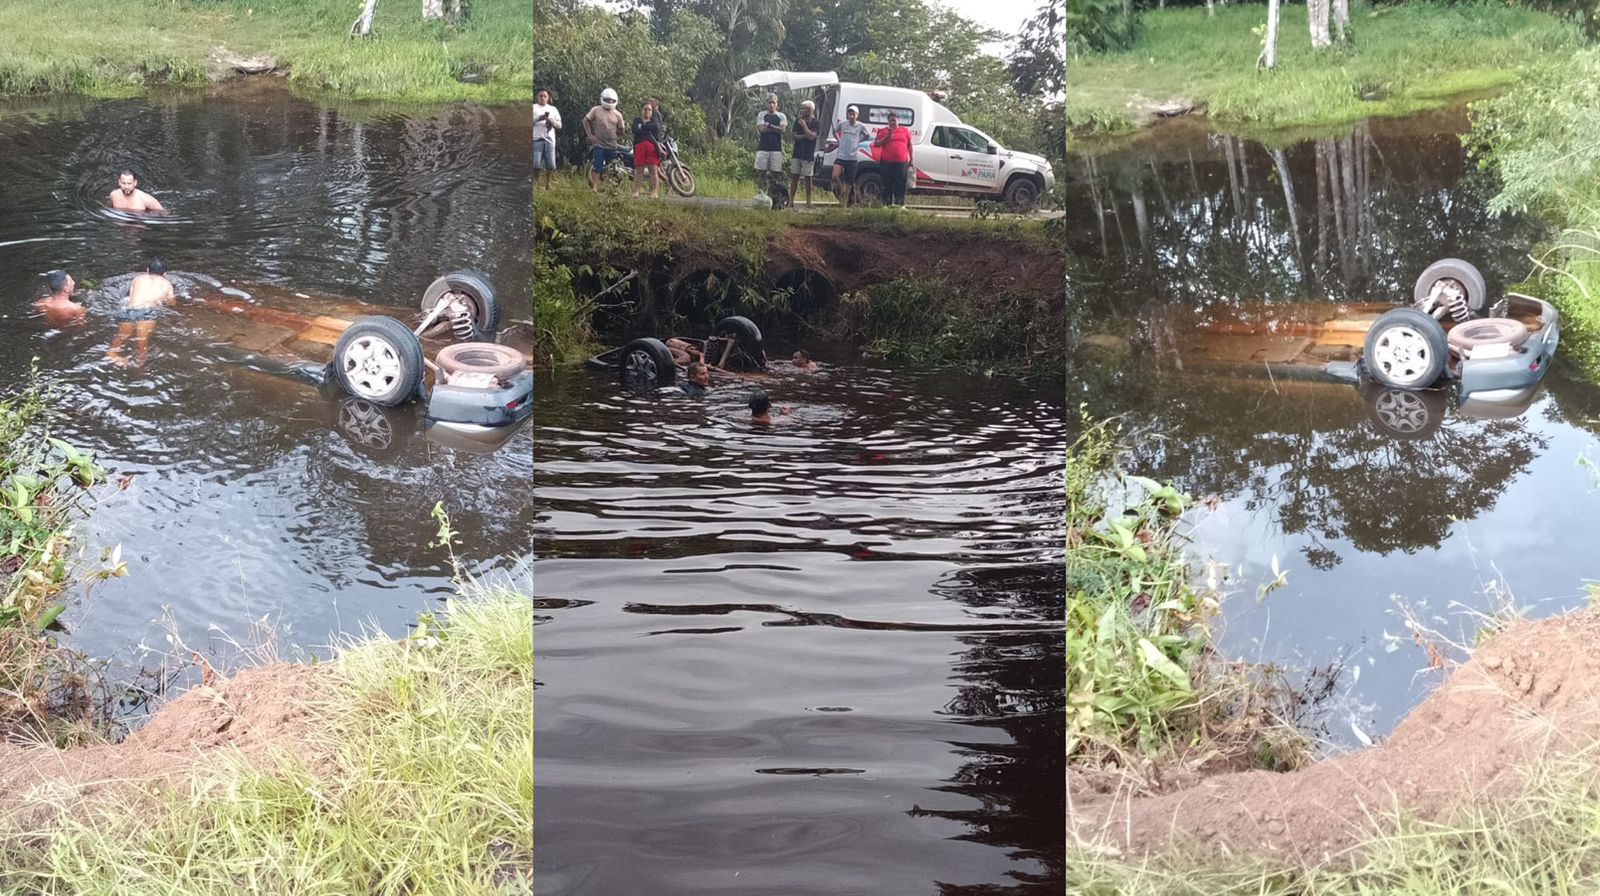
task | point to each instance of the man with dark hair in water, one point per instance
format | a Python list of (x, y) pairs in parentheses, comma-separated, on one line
[(761, 408), (699, 381), (58, 307), (147, 295), (127, 197)]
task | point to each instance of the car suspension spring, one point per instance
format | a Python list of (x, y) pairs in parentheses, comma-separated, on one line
[(1459, 312), (461, 322)]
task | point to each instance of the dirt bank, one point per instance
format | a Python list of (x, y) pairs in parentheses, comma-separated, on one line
[(1532, 691), (257, 714)]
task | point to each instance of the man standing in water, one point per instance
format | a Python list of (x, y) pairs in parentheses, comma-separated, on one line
[(58, 307), (127, 197), (147, 294)]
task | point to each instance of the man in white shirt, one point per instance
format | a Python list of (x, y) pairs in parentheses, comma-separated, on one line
[(546, 121)]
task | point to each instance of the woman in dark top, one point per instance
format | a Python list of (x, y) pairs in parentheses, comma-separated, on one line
[(646, 154)]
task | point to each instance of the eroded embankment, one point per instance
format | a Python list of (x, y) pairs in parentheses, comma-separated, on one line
[(1531, 694)]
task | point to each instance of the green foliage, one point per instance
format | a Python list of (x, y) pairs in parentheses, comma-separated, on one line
[(430, 790), (117, 47), (1409, 57), (1542, 139), (561, 320), (1097, 26), (928, 323)]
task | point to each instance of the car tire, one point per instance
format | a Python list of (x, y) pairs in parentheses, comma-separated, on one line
[(481, 299), (1464, 273), (1021, 193), (379, 359), (378, 432), (1405, 414), (1405, 349), (868, 191), (1468, 337), (499, 361), (646, 362), (749, 336)]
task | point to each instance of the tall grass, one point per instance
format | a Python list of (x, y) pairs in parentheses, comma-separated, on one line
[(1401, 59), (433, 792), (926, 322), (116, 47), (1142, 680), (1539, 842)]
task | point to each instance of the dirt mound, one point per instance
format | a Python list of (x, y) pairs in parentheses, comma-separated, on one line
[(852, 258), (1531, 691), (258, 713)]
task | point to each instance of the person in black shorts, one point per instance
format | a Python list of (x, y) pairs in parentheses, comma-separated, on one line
[(849, 135), (805, 151)]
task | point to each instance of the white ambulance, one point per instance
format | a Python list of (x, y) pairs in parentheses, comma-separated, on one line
[(950, 158)]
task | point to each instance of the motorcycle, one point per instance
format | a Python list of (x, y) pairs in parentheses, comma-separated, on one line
[(672, 169)]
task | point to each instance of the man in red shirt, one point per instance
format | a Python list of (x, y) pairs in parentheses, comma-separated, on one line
[(894, 158)]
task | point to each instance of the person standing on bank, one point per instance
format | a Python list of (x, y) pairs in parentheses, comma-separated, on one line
[(894, 158), (850, 135), (546, 121), (646, 151), (805, 151), (769, 150), (605, 128)]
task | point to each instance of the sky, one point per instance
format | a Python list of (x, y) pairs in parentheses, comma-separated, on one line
[(1005, 16)]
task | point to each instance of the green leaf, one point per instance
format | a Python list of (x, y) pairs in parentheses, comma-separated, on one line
[(1161, 665)]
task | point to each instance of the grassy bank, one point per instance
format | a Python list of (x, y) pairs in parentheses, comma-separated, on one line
[(117, 47), (43, 691), (1143, 684), (589, 244), (1542, 141), (432, 791), (1401, 59)]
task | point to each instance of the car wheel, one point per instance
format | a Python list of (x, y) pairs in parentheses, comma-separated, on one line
[(1466, 339), (1457, 275), (868, 190), (499, 361), (647, 362), (1405, 414), (1405, 349), (372, 429), (749, 339), (379, 359), (1021, 193), (476, 296)]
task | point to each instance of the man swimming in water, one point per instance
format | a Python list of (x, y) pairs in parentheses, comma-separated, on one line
[(761, 409), (699, 379), (802, 360), (147, 295), (58, 307), (127, 197)]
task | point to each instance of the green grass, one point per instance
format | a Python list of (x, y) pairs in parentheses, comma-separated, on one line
[(1540, 842), (434, 792), (926, 322), (1410, 57), (118, 47), (1141, 681)]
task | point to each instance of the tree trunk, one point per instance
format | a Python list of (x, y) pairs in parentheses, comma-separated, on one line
[(363, 23), (433, 9), (455, 11), (1211, 7), (1341, 18), (1317, 13), (1282, 164), (1141, 220), (1269, 47)]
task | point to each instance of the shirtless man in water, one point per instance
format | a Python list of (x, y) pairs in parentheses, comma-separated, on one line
[(127, 197), (147, 295), (58, 307)]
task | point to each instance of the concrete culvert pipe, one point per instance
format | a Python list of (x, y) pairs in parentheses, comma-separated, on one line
[(810, 291)]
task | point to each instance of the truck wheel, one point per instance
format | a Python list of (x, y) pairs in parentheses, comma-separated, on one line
[(476, 294), (749, 336), (379, 359), (869, 189), (499, 361), (1462, 275), (1406, 349), (647, 362), (1021, 193)]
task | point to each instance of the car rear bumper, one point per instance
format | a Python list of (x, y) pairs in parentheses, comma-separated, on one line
[(1496, 379), (483, 407)]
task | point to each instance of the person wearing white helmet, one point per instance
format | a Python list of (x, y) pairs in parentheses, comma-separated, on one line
[(606, 129)]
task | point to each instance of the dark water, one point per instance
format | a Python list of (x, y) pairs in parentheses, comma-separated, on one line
[(822, 658), (1469, 511), (244, 498)]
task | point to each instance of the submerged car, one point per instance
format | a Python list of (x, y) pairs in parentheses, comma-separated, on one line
[(733, 347), (1451, 334)]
